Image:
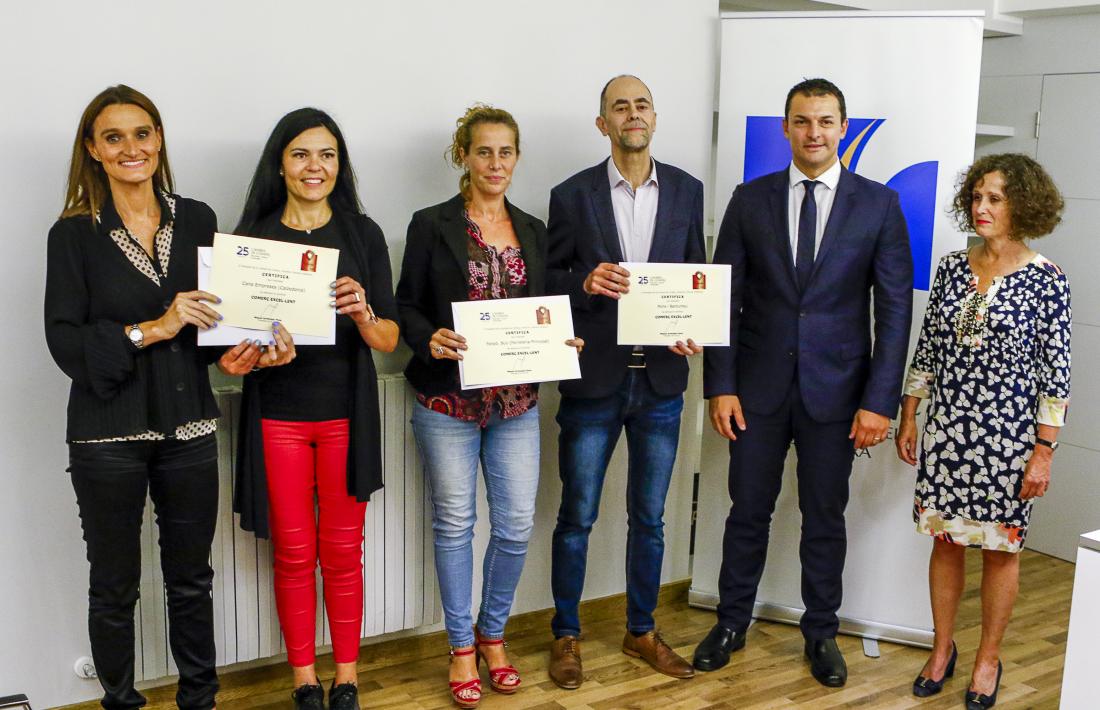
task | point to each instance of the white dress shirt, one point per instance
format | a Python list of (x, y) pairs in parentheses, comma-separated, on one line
[(824, 193), (635, 211)]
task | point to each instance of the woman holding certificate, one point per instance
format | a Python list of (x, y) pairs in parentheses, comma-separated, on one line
[(310, 426), (475, 246), (121, 312)]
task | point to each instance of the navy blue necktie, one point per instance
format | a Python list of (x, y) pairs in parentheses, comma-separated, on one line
[(807, 235)]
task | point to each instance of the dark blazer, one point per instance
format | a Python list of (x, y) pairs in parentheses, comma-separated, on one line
[(582, 235), (92, 293), (434, 274), (821, 335)]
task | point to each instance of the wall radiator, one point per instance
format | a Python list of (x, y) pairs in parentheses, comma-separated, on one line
[(398, 562)]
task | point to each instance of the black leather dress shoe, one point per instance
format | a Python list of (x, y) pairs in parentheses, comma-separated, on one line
[(714, 651), (827, 663)]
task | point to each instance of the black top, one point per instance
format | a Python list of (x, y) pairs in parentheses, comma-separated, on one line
[(434, 273), (314, 386), (92, 292), (366, 247)]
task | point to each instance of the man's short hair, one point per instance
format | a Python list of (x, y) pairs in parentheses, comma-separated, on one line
[(603, 91), (816, 87)]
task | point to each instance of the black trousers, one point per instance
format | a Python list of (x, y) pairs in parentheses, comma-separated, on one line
[(181, 477), (755, 477)]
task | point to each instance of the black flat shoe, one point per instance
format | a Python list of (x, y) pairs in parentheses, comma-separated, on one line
[(926, 687), (713, 652), (343, 697), (309, 697), (827, 663), (977, 701)]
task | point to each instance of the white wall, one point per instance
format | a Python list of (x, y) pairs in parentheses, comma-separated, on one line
[(1013, 71), (395, 75)]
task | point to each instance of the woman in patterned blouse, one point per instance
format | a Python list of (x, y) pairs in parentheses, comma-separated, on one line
[(475, 246), (121, 312), (993, 358)]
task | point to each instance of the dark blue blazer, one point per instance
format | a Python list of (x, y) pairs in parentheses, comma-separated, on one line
[(821, 336), (582, 235)]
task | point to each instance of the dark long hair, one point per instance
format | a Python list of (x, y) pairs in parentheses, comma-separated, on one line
[(87, 186), (267, 191)]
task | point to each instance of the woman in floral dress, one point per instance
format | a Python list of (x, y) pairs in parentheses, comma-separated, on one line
[(993, 358)]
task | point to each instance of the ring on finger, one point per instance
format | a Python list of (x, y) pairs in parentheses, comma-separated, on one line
[(356, 294), (439, 349)]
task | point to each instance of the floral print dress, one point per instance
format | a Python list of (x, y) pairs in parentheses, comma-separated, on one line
[(994, 365)]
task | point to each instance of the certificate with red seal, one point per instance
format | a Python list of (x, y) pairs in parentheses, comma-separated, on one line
[(512, 341), (670, 303), (262, 280)]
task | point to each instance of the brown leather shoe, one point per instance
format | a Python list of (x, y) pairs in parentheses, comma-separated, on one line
[(658, 654), (565, 663)]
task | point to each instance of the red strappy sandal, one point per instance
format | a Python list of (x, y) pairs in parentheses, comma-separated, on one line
[(465, 693), (504, 679)]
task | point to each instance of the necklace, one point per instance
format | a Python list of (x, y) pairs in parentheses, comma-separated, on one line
[(301, 226)]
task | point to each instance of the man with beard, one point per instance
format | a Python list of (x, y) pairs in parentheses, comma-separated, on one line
[(627, 208)]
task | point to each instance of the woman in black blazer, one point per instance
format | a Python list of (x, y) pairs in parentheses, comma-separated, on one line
[(120, 297), (475, 246)]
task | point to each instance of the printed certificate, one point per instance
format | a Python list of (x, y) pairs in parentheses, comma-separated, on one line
[(262, 280), (230, 334), (671, 302), (511, 341)]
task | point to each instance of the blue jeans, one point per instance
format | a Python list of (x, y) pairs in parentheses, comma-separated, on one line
[(508, 450), (590, 429)]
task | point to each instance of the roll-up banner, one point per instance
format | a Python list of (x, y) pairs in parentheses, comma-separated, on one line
[(910, 81)]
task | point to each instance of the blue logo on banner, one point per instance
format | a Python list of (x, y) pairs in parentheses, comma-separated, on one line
[(767, 151)]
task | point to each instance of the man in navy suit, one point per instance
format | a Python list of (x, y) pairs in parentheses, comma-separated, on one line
[(628, 208), (811, 247)]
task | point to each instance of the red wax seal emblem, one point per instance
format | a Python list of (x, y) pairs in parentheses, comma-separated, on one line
[(309, 260)]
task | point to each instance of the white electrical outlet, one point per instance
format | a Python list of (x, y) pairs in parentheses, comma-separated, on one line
[(84, 668)]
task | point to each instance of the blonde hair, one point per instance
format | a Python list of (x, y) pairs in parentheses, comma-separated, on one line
[(88, 188), (464, 135)]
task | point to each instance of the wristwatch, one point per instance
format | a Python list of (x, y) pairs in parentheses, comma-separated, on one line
[(137, 338), (1052, 445)]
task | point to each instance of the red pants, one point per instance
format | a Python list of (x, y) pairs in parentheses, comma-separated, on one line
[(304, 459)]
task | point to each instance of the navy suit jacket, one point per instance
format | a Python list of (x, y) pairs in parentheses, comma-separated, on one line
[(822, 335), (582, 235)]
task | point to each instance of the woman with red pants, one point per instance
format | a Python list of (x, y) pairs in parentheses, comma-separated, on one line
[(311, 427)]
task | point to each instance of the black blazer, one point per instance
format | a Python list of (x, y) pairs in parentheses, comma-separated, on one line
[(820, 336), (434, 273), (582, 235), (92, 293)]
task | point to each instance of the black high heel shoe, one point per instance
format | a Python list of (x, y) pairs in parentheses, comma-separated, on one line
[(977, 701), (926, 687)]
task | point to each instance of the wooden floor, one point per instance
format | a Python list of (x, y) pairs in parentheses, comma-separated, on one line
[(769, 673)]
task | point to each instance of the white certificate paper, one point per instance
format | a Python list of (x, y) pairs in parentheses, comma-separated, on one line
[(513, 341), (673, 302), (262, 280), (231, 334)]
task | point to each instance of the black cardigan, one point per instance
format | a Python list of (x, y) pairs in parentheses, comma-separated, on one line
[(364, 470), (435, 273), (92, 293)]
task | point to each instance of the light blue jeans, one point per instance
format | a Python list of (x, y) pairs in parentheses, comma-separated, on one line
[(508, 450)]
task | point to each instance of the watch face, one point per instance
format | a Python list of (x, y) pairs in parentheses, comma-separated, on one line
[(136, 336)]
